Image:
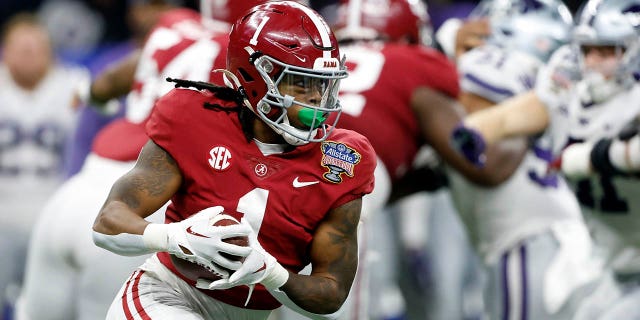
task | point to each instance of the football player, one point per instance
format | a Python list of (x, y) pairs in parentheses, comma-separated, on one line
[(260, 149), (581, 95), (83, 277), (525, 247), (37, 116)]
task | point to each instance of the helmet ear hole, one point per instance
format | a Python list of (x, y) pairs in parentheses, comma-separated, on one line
[(247, 79), (245, 75)]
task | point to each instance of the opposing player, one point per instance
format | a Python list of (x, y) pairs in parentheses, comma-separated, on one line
[(260, 150), (580, 96), (37, 117), (529, 247), (182, 44), (602, 158)]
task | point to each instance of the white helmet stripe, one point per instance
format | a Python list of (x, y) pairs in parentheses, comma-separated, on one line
[(254, 39), (354, 16), (320, 26)]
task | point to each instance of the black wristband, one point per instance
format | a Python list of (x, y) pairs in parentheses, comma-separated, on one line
[(600, 159)]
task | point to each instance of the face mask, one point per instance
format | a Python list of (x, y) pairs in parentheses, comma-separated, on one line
[(598, 89)]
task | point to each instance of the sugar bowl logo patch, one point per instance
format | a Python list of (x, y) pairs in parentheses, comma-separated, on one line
[(338, 158)]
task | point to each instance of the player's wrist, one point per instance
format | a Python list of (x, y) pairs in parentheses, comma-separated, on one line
[(276, 278), (470, 143), (156, 237)]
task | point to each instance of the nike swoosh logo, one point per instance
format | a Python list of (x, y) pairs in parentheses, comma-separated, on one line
[(195, 233), (301, 59), (264, 266), (299, 184)]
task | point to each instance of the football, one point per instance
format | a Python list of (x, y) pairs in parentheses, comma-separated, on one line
[(194, 271)]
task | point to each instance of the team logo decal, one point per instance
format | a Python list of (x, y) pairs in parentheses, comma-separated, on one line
[(261, 169), (338, 158), (220, 158)]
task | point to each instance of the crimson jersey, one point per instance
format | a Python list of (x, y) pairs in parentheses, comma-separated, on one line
[(376, 97), (284, 196), (179, 47)]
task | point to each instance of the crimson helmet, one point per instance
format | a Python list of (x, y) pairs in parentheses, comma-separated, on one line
[(283, 41), (392, 20)]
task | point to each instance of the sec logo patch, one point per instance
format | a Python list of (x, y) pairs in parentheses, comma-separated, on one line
[(220, 158)]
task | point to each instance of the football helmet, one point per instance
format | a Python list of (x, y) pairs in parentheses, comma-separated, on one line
[(535, 27), (280, 42), (391, 20), (611, 23)]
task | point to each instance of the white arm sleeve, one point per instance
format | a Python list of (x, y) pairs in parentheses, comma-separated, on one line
[(126, 244)]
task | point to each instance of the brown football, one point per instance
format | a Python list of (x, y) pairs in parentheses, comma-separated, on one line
[(194, 271)]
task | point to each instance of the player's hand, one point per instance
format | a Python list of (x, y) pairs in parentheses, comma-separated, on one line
[(196, 240), (472, 33), (470, 144), (258, 267)]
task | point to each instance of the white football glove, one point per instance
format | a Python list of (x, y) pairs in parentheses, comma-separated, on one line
[(258, 267), (196, 240)]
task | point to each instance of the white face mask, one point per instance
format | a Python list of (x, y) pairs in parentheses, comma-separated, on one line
[(607, 67), (288, 134), (601, 77), (597, 88)]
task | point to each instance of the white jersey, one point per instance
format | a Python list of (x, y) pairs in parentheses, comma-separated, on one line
[(613, 201), (181, 49), (531, 200), (495, 74), (34, 128)]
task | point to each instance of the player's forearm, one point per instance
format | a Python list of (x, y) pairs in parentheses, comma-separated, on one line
[(116, 217), (334, 256), (522, 115), (317, 295), (120, 226), (115, 81), (119, 230)]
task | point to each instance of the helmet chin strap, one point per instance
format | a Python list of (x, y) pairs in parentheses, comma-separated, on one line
[(285, 128)]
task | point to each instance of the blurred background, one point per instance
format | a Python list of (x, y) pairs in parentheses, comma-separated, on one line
[(82, 30)]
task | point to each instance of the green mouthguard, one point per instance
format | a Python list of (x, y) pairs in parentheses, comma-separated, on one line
[(307, 116)]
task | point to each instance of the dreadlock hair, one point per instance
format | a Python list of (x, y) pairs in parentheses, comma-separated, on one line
[(225, 93)]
